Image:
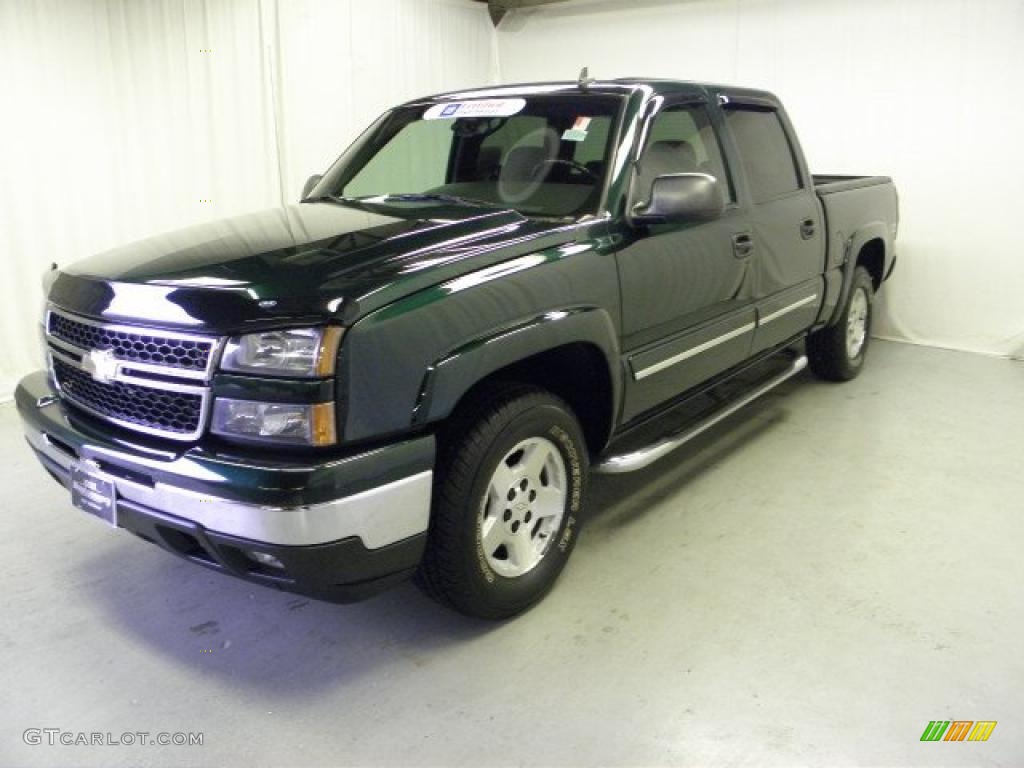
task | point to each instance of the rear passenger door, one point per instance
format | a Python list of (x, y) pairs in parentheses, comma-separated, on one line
[(785, 221)]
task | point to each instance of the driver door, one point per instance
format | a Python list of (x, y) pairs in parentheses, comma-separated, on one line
[(687, 300)]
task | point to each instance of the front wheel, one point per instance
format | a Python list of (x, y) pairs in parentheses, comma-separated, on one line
[(508, 497), (837, 352)]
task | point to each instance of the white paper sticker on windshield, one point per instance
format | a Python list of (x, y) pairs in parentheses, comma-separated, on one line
[(476, 108), (578, 132)]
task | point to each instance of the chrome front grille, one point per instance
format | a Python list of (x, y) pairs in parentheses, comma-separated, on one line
[(131, 344), (148, 380), (154, 409)]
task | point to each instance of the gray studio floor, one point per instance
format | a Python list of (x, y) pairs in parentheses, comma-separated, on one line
[(811, 584)]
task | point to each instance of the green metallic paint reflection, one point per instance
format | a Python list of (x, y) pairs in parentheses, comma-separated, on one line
[(473, 279)]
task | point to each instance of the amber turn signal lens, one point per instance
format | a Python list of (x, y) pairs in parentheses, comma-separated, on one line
[(330, 340), (324, 424)]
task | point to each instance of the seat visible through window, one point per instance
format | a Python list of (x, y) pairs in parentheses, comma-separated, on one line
[(664, 157)]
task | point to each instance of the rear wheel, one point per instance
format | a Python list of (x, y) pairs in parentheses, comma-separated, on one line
[(837, 352), (508, 495)]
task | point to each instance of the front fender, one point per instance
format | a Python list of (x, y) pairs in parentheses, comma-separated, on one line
[(405, 365)]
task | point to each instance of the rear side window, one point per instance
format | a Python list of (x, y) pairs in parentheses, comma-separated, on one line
[(765, 152)]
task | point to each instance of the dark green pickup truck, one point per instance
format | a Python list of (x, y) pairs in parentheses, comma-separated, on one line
[(489, 296)]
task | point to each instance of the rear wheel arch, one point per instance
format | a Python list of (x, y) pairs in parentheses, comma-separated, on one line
[(867, 248), (871, 256), (837, 352)]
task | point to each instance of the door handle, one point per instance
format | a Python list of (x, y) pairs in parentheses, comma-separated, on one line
[(807, 229), (742, 245)]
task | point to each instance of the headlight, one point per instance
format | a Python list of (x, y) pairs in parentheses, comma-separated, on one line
[(305, 352), (295, 423)]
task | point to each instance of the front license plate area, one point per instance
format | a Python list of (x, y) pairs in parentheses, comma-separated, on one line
[(93, 493)]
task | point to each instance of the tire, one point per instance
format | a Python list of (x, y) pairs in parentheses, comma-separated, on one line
[(509, 488), (837, 352)]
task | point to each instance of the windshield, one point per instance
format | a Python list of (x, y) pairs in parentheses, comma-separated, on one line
[(541, 155)]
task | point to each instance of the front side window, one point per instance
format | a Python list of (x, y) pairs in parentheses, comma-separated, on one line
[(681, 139), (541, 155), (766, 154)]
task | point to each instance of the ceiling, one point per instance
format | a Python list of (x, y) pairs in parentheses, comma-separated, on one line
[(499, 8)]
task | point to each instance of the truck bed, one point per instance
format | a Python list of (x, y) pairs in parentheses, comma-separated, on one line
[(827, 184), (857, 207)]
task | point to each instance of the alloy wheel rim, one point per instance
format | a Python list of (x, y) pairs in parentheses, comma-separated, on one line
[(857, 324), (523, 507)]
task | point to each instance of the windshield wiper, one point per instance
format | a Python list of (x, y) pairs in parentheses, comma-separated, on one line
[(410, 197), (331, 199), (436, 197), (425, 196)]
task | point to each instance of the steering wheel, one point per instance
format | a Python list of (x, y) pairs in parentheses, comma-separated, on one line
[(572, 164)]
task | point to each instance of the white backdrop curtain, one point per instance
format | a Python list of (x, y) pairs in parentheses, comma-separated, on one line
[(923, 90), (124, 118)]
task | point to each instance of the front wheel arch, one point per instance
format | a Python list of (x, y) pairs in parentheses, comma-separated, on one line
[(571, 354)]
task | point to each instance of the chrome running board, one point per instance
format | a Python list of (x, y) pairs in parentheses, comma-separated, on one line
[(634, 460)]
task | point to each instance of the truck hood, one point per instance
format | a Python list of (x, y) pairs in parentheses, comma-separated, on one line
[(309, 261)]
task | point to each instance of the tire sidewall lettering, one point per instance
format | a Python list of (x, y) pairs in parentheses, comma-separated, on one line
[(485, 569), (568, 446)]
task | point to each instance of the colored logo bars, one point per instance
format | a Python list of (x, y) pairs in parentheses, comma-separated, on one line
[(958, 730)]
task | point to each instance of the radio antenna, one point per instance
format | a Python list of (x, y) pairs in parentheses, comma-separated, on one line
[(585, 79)]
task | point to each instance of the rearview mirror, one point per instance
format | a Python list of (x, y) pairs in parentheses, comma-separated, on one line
[(311, 182), (680, 197)]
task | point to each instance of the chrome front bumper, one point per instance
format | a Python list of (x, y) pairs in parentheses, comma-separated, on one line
[(381, 496), (377, 517)]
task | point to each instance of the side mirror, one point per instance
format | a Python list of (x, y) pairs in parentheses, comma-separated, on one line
[(680, 197), (311, 182)]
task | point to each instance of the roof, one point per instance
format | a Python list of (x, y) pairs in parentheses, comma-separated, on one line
[(620, 86)]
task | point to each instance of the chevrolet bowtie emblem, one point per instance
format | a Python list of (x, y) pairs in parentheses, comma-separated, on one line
[(101, 365)]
